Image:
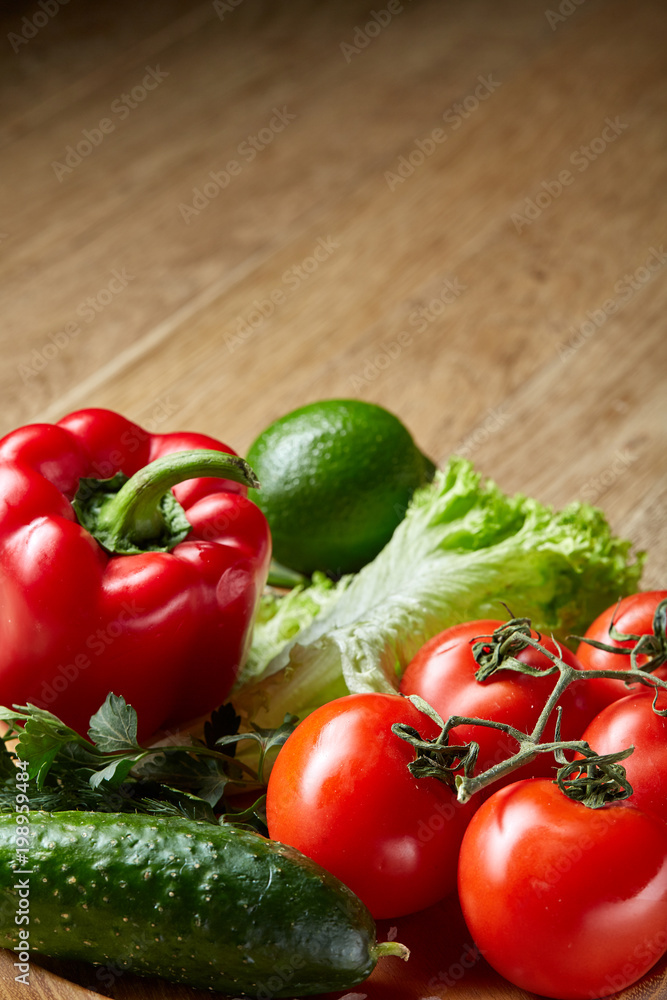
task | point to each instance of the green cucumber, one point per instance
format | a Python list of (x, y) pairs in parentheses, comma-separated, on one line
[(213, 907)]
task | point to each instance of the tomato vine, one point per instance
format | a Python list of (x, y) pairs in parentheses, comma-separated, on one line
[(592, 779)]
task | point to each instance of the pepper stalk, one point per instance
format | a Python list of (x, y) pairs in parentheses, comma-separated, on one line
[(128, 516)]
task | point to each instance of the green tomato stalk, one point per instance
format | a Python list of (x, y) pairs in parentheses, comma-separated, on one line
[(593, 780)]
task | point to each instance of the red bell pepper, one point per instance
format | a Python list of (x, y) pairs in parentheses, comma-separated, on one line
[(145, 584)]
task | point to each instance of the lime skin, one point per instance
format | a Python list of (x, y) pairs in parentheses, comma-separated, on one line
[(336, 478)]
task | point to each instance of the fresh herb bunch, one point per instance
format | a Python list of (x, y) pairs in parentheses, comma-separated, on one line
[(112, 772)]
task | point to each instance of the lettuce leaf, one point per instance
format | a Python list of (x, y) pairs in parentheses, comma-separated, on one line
[(281, 617), (463, 548)]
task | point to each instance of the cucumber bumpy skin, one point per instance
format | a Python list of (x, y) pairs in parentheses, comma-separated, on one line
[(213, 907)]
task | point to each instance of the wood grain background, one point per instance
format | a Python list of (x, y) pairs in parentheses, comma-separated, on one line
[(211, 213)]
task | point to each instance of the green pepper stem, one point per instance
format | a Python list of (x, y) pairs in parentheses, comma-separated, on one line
[(140, 514), (134, 511)]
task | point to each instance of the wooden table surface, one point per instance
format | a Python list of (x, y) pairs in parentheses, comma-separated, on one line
[(212, 213)]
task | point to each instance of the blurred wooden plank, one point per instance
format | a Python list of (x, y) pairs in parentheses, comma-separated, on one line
[(58, 56), (471, 217), (119, 209), (490, 358)]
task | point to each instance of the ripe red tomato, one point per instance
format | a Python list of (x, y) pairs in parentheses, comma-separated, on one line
[(633, 616), (443, 674), (631, 721), (563, 900), (341, 793)]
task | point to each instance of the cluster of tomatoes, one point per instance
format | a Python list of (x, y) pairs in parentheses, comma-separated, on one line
[(561, 899)]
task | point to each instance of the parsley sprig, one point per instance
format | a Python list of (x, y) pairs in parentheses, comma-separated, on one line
[(111, 771)]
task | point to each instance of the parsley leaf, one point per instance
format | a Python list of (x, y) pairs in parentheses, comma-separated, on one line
[(112, 772), (113, 728)]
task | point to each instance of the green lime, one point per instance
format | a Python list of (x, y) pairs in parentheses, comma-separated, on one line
[(336, 477)]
